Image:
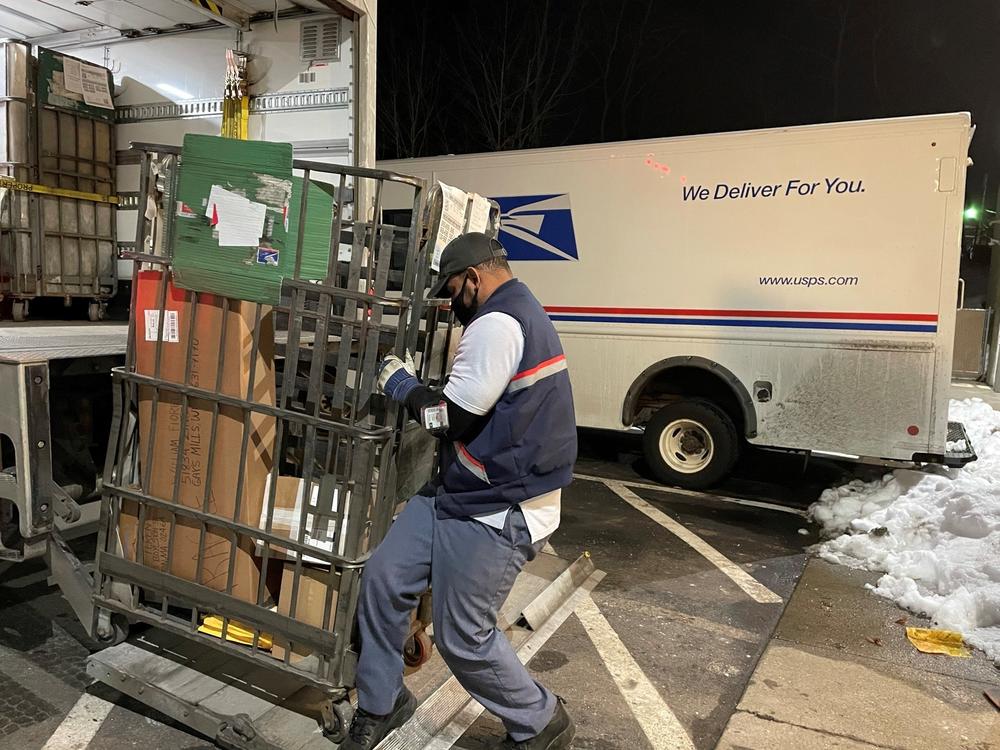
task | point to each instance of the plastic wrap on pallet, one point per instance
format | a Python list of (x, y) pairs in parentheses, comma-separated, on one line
[(18, 162)]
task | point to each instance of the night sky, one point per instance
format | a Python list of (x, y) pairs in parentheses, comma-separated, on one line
[(555, 73)]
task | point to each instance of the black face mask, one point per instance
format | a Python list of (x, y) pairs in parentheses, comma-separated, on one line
[(465, 313)]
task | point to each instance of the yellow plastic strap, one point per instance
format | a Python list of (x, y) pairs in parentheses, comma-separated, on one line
[(236, 632), (235, 117), (208, 5), (29, 187)]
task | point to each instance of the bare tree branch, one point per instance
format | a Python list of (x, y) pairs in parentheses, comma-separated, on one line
[(515, 76)]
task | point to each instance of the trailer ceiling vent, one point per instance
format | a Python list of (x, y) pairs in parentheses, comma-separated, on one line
[(320, 40)]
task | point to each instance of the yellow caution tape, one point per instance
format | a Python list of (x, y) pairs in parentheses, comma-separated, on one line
[(236, 632), (208, 5), (30, 187), (931, 641)]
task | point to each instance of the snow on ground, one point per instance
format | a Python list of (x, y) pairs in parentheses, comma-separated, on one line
[(935, 537)]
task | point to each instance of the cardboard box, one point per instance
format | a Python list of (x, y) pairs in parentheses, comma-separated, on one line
[(311, 604), (212, 314), (286, 520)]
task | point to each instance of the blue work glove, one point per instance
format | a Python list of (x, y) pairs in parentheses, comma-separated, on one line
[(396, 377)]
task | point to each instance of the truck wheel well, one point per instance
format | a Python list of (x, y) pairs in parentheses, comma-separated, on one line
[(683, 377)]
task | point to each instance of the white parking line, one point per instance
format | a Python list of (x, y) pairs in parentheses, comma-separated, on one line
[(414, 735), (694, 493), (661, 727), (754, 588), (81, 724)]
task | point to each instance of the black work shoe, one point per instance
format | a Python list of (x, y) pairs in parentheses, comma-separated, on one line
[(367, 730), (557, 735)]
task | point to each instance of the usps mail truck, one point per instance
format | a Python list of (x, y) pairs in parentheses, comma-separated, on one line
[(791, 288)]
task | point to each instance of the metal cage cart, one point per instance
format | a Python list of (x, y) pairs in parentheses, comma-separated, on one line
[(57, 230), (18, 165), (250, 475)]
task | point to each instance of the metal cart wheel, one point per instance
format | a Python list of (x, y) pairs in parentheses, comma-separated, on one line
[(95, 311), (19, 310), (337, 715), (118, 632), (417, 649)]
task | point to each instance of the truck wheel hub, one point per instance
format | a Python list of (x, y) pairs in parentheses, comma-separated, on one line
[(686, 446)]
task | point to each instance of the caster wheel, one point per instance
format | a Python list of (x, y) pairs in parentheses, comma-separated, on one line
[(95, 311), (118, 634), (19, 311), (417, 649), (337, 716)]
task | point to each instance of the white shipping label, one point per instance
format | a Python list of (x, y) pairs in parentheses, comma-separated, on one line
[(171, 329)]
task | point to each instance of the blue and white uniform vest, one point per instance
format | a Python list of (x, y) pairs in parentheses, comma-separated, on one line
[(528, 444)]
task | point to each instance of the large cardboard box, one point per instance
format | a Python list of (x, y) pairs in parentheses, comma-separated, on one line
[(311, 604), (286, 520), (165, 437)]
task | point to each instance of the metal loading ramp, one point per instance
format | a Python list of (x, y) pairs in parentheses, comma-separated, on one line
[(239, 704)]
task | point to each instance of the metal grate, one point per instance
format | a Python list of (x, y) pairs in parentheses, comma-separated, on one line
[(319, 40)]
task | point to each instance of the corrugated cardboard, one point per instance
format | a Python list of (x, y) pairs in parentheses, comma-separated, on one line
[(286, 519), (261, 174), (315, 248), (310, 604), (212, 314)]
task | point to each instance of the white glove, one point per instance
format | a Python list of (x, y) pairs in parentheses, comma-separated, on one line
[(393, 372)]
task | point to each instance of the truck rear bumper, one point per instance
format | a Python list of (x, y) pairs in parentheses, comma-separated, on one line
[(959, 450)]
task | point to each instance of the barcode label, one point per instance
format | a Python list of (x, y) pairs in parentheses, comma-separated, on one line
[(171, 332)]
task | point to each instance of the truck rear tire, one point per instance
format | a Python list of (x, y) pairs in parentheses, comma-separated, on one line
[(691, 443)]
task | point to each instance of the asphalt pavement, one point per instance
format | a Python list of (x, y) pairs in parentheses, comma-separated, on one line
[(696, 584)]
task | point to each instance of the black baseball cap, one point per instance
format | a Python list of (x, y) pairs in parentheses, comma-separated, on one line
[(463, 252)]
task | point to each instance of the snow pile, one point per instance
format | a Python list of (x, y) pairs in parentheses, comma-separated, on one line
[(936, 537)]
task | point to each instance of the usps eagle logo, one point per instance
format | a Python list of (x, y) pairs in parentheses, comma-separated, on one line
[(537, 227)]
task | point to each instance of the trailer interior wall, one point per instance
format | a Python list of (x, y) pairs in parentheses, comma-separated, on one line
[(662, 261), (187, 72)]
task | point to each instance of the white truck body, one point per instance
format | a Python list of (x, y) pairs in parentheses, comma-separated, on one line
[(812, 270)]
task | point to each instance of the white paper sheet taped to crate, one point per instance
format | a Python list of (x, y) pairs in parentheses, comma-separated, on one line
[(94, 82), (238, 220), (286, 521), (479, 214), (72, 75), (452, 224), (461, 213)]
